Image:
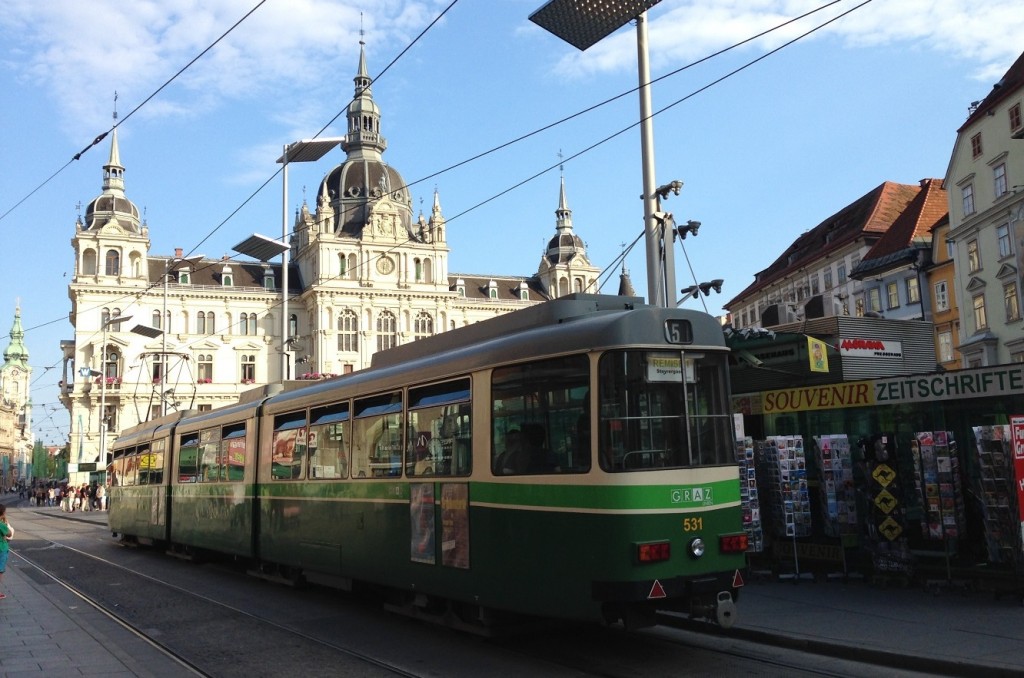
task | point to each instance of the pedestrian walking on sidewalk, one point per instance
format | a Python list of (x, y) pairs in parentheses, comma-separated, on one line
[(6, 534)]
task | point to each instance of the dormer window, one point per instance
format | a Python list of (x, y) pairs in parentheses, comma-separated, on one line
[(524, 292), (492, 290), (226, 279), (460, 287), (269, 282), (184, 277)]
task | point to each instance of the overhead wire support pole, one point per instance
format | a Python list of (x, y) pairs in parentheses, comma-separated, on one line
[(660, 273)]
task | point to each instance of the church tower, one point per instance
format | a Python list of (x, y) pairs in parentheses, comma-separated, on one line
[(564, 267), (16, 438)]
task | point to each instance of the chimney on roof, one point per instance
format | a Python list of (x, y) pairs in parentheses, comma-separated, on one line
[(178, 252)]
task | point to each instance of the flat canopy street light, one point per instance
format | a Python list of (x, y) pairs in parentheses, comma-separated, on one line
[(304, 150), (264, 249), (582, 23)]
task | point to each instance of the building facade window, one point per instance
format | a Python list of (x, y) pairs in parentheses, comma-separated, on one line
[(841, 274), (828, 279), (423, 326), (999, 180), (858, 306), (976, 145), (387, 331), (158, 368), (348, 331), (973, 257), (892, 293), (941, 296), (874, 300), (204, 368), (1005, 240), (113, 263), (1011, 301), (1015, 120), (913, 291), (156, 320), (944, 342), (980, 319), (247, 366), (967, 193), (201, 322)]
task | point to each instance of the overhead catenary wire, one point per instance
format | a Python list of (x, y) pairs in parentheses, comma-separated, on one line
[(539, 130)]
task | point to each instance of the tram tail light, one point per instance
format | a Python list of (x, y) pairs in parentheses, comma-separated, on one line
[(653, 552), (732, 543)]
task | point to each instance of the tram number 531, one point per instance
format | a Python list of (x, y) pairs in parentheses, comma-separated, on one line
[(693, 524)]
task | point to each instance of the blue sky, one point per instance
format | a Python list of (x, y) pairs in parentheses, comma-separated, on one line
[(764, 155)]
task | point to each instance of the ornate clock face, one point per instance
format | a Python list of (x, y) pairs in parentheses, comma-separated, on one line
[(385, 265)]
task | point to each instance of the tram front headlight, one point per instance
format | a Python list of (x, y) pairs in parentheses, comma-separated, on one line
[(696, 547)]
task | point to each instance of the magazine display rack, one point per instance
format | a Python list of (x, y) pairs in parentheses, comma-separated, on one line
[(749, 501), (995, 488), (838, 495)]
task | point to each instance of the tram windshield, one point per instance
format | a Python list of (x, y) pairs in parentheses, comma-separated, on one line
[(660, 409)]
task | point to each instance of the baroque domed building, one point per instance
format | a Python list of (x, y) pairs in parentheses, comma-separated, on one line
[(157, 333)]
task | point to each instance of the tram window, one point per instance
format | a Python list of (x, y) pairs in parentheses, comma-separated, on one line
[(131, 463), (117, 468), (209, 455), (156, 462), (232, 453), (438, 430), (188, 456), (535, 413), (145, 464), (662, 410), (328, 442), (711, 426), (377, 437), (289, 446)]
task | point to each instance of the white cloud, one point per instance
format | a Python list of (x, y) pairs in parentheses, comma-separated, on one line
[(683, 30)]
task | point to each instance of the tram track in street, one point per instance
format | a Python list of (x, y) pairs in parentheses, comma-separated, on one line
[(205, 614), (78, 572)]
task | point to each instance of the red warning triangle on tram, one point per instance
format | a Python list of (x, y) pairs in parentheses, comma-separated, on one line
[(656, 591), (737, 580)]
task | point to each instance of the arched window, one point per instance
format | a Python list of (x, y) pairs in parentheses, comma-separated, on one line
[(387, 331), (563, 287), (428, 271), (113, 263), (204, 371), (227, 280), (351, 269), (243, 324), (252, 324), (342, 263), (201, 322), (111, 363), (156, 320), (348, 331), (419, 270), (248, 368), (423, 326), (89, 262), (211, 323), (293, 326)]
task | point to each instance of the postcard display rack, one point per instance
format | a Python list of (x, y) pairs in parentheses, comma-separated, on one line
[(937, 480), (786, 474), (749, 501), (838, 497), (995, 487)]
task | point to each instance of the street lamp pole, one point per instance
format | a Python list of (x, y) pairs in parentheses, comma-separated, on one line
[(582, 23), (102, 457), (285, 367)]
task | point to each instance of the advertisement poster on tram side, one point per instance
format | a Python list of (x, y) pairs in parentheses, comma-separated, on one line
[(421, 517), (455, 525)]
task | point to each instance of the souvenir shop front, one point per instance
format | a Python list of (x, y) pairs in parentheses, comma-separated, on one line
[(908, 476)]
